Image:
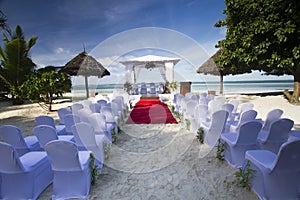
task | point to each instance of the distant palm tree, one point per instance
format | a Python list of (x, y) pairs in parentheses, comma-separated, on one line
[(15, 61), (3, 23)]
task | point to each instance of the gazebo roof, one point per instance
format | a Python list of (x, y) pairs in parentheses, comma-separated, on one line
[(150, 59)]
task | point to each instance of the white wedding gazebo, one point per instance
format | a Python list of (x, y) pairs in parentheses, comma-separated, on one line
[(164, 64)]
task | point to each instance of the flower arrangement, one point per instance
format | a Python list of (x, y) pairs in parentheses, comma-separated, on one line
[(173, 86)]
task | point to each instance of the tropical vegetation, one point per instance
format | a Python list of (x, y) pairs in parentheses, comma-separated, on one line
[(262, 35), (16, 64), (44, 85)]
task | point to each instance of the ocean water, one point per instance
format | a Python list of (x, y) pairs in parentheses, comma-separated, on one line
[(229, 87)]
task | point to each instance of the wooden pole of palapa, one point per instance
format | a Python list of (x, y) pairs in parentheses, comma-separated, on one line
[(86, 86)]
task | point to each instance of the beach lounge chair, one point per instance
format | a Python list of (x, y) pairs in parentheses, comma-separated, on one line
[(238, 143), (276, 136), (86, 139), (23, 177), (276, 176), (62, 112), (71, 168), (45, 134), (214, 128), (13, 136), (233, 126), (48, 120), (70, 120)]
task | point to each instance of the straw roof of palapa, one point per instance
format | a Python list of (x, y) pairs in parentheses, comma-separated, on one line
[(85, 65)]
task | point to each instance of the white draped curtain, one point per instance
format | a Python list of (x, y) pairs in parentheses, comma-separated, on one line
[(162, 70)]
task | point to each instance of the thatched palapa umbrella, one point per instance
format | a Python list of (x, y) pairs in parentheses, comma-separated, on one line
[(85, 65), (210, 67)]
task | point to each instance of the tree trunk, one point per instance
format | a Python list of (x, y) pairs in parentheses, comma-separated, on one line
[(295, 96)]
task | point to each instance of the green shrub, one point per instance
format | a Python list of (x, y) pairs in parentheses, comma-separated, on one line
[(244, 175), (200, 135)]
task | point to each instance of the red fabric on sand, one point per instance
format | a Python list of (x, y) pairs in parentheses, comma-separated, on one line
[(151, 112)]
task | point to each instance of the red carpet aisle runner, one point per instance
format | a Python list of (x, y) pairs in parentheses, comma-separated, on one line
[(151, 112)]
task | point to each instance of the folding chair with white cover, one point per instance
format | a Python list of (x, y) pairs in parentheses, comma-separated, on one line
[(86, 139), (98, 121), (45, 134), (243, 107), (71, 168), (84, 114), (23, 177), (229, 108), (48, 120), (143, 89), (200, 115), (190, 109), (272, 116), (62, 112), (152, 88), (76, 107), (213, 106), (111, 119), (276, 136), (160, 89), (216, 126), (233, 126), (135, 89), (235, 104), (220, 99), (13, 136), (276, 176), (71, 120), (238, 143), (95, 107)]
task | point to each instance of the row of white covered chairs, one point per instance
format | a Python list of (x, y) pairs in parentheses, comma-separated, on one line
[(153, 89), (27, 176)]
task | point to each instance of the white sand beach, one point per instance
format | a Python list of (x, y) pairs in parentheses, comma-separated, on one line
[(159, 161)]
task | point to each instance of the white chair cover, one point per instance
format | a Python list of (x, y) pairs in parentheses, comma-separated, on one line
[(238, 143), (70, 120), (23, 177), (86, 139), (45, 134), (233, 126), (276, 136), (216, 127), (62, 112), (13, 136), (72, 173), (48, 120), (276, 176)]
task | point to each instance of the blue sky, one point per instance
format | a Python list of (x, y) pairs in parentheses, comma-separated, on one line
[(64, 26)]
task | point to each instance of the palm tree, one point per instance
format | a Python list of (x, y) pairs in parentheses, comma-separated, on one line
[(3, 24), (16, 64)]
